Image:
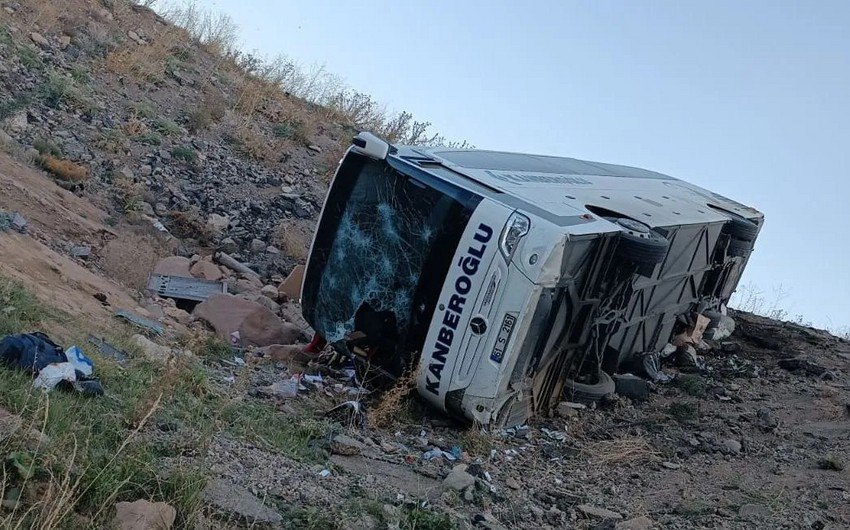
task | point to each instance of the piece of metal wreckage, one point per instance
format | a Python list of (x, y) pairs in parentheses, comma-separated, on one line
[(140, 321), (184, 288)]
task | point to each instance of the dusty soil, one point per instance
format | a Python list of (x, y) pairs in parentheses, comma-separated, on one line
[(57, 220)]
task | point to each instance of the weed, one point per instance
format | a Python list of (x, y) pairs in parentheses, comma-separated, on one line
[(693, 508), (21, 311), (46, 147), (64, 169), (12, 107), (693, 385), (683, 412), (127, 193), (295, 130), (385, 412), (80, 75), (172, 65), (149, 138), (111, 140), (216, 348), (140, 109), (167, 127), (61, 89), (477, 442), (198, 120), (186, 154), (422, 519), (308, 518), (5, 38), (29, 58)]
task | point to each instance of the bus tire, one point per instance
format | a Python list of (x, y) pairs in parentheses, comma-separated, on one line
[(639, 243)]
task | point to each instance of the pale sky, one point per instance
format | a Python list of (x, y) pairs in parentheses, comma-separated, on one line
[(748, 99)]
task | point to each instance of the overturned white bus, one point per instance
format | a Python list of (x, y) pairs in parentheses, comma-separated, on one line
[(507, 280)]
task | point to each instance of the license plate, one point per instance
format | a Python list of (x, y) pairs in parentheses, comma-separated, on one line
[(503, 338)]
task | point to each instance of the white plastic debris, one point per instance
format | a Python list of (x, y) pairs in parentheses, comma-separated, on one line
[(325, 473), (79, 360), (52, 374)]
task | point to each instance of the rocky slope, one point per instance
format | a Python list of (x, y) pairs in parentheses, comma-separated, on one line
[(127, 111)]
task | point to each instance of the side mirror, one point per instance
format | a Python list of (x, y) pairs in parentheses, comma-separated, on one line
[(366, 143)]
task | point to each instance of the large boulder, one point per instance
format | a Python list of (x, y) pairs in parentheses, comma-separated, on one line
[(257, 325), (174, 266)]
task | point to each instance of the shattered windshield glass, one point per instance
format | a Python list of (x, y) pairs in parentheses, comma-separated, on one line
[(384, 245)]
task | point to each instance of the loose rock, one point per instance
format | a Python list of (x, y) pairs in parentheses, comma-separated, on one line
[(238, 501), (458, 479), (144, 515), (601, 513)]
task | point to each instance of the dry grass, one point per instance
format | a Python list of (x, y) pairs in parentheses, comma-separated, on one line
[(627, 450), (148, 62), (43, 14), (386, 411), (64, 169), (293, 238)]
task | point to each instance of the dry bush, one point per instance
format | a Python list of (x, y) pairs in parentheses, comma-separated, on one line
[(148, 62), (64, 169), (386, 411), (128, 193), (216, 31), (190, 224), (293, 238), (134, 127), (212, 110)]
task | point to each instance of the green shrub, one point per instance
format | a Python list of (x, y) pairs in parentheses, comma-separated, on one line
[(167, 127), (185, 154), (149, 138)]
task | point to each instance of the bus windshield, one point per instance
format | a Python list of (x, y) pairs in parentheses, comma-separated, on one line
[(381, 254)]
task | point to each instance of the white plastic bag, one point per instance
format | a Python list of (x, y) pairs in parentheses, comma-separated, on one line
[(79, 360), (52, 374)]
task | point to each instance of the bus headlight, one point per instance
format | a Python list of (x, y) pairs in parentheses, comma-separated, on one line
[(516, 227)]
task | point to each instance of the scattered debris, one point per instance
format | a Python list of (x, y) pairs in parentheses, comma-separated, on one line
[(183, 288), (290, 288), (35, 353), (107, 349), (631, 386), (348, 413), (231, 263), (54, 373), (142, 322)]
